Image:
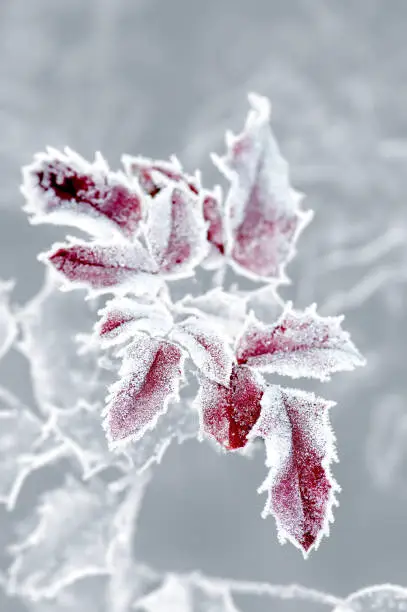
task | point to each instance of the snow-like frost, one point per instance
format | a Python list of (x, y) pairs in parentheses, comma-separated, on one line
[(103, 266), (377, 598), (76, 526), (8, 323), (49, 325), (149, 380), (65, 189), (175, 231), (122, 318), (208, 347), (225, 310), (299, 344), (263, 218), (300, 448), (21, 448), (178, 594)]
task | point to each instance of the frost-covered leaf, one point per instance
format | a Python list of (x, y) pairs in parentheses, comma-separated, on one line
[(8, 324), (71, 539), (300, 447), (180, 423), (87, 593), (213, 215), (208, 347), (107, 266), (263, 214), (150, 376), (154, 175), (176, 231), (377, 598), (122, 317), (49, 324), (229, 413), (65, 189), (300, 343), (225, 310), (21, 451), (178, 594)]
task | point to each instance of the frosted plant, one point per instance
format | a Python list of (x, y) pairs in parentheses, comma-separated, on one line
[(152, 225)]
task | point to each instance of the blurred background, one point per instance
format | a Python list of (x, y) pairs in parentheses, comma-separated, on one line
[(157, 78)]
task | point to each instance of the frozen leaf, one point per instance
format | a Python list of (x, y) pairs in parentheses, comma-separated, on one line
[(21, 452), (378, 598), (176, 231), (108, 266), (154, 175), (150, 377), (8, 324), (225, 310), (87, 593), (229, 413), (50, 323), (178, 594), (65, 189), (263, 214), (300, 448), (122, 317), (70, 541), (298, 344), (213, 215), (207, 346), (179, 423)]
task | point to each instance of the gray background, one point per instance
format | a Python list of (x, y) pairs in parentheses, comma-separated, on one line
[(156, 78)]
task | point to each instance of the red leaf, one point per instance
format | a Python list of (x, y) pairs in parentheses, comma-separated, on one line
[(300, 447), (263, 217), (229, 413), (298, 344), (176, 231), (66, 189), (154, 175), (208, 347), (150, 377), (123, 317), (213, 215), (104, 266)]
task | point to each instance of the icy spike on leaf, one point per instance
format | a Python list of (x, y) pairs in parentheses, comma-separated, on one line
[(298, 344), (63, 188), (104, 266), (176, 232), (123, 317), (150, 377), (229, 413), (263, 215), (208, 347), (154, 175), (300, 448)]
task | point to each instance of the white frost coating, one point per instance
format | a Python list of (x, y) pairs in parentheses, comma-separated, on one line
[(377, 598), (70, 541), (259, 164), (275, 426), (8, 324), (299, 344), (131, 316), (225, 310), (44, 207), (49, 324), (128, 397), (178, 594), (175, 231), (208, 347), (180, 423), (131, 265), (21, 448), (88, 593)]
